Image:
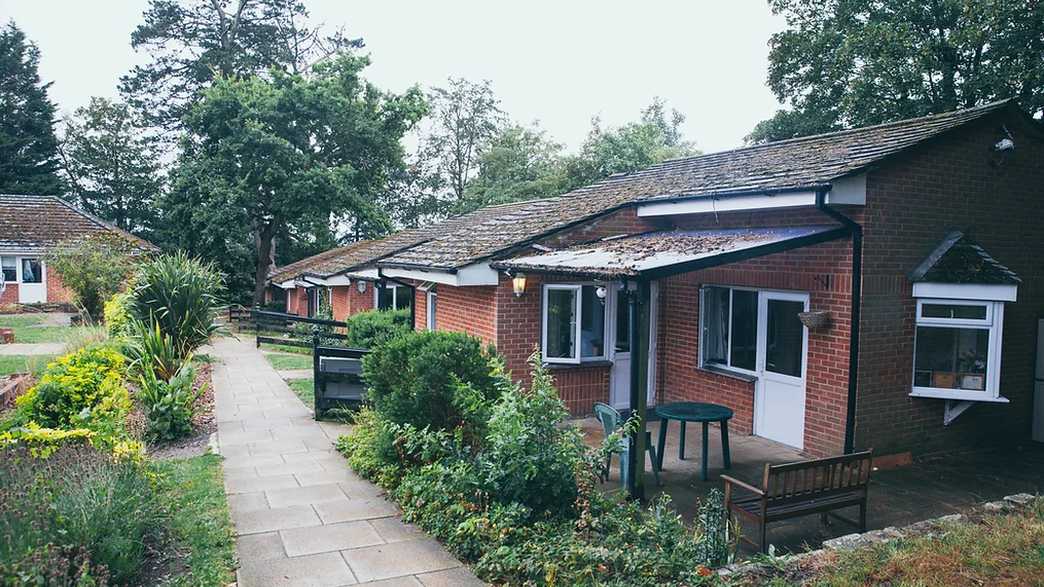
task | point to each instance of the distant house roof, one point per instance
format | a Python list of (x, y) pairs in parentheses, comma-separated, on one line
[(959, 259), (35, 224), (667, 252), (802, 163)]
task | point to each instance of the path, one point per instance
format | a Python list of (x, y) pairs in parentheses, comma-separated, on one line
[(301, 516), (32, 348)]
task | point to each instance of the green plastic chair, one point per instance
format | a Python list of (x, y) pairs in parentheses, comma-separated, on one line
[(611, 420)]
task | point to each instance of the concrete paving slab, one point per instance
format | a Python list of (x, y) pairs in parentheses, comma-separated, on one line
[(260, 547), (328, 476), (252, 484), (295, 516), (395, 530), (247, 502), (312, 494), (319, 570), (329, 538), (458, 577), (398, 559), (354, 509)]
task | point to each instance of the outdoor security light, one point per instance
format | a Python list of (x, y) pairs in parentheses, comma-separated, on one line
[(361, 286)]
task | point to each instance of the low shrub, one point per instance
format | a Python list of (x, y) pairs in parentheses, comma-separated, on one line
[(117, 314), (150, 350), (83, 386), (180, 294), (370, 329), (413, 379), (93, 269), (77, 500), (169, 403)]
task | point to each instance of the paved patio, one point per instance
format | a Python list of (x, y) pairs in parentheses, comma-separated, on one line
[(302, 517), (926, 489)]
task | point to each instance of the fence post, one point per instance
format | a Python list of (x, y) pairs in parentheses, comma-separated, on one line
[(316, 375)]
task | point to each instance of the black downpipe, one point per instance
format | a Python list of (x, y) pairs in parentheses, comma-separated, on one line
[(857, 296)]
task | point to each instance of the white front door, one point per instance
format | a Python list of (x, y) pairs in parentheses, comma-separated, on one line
[(779, 400), (32, 281), (620, 326)]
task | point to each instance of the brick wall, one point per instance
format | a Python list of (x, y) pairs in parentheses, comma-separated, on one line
[(911, 206), (360, 301), (297, 301), (339, 295), (462, 309), (57, 293), (10, 294)]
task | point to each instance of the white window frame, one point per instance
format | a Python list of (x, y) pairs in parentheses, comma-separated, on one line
[(17, 268), (993, 324), (394, 287), (728, 347), (578, 292), (430, 309)]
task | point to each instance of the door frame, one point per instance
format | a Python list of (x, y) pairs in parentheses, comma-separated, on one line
[(22, 285), (764, 295), (612, 299)]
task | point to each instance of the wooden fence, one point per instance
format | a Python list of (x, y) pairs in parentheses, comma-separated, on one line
[(285, 329)]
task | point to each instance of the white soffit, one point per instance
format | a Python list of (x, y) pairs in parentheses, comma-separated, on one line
[(369, 273), (338, 280), (966, 291), (474, 274)]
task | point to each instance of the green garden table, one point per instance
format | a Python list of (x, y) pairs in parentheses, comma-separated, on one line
[(704, 413)]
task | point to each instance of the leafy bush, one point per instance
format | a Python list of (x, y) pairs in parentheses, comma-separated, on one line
[(76, 388), (412, 379), (529, 456), (77, 500), (93, 269), (152, 351), (181, 295), (117, 314), (169, 403), (367, 330)]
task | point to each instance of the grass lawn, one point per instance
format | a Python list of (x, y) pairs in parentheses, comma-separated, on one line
[(20, 364), (287, 362), (303, 389), (285, 348), (26, 329), (1001, 550), (200, 522)]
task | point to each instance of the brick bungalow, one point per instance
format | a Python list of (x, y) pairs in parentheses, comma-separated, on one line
[(878, 287), (30, 227)]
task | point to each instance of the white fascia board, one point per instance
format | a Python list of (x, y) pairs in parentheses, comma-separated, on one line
[(711, 204), (289, 284), (848, 190), (474, 274), (368, 273), (336, 280), (966, 291)]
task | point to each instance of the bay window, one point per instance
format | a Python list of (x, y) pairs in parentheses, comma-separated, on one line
[(573, 323), (957, 349), (729, 328)]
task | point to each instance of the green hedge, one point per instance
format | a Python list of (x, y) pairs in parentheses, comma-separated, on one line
[(370, 329)]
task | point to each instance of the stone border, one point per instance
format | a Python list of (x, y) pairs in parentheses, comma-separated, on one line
[(930, 527), (13, 386)]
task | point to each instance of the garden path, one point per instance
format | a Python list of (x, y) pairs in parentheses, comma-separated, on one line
[(32, 348), (302, 517)]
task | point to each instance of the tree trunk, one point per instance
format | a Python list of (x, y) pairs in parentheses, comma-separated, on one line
[(265, 259)]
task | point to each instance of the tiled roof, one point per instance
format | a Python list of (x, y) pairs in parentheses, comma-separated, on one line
[(635, 255), (959, 259), (364, 253), (37, 223), (807, 162)]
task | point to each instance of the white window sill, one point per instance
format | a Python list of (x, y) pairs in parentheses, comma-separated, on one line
[(728, 372), (957, 395)]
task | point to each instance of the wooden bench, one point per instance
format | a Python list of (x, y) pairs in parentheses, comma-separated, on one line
[(799, 489)]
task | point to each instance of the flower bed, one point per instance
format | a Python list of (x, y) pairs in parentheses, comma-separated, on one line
[(495, 473)]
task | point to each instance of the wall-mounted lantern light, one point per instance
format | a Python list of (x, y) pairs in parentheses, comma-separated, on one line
[(600, 293), (518, 284), (361, 286)]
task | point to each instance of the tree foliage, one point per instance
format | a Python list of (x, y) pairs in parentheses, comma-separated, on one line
[(111, 164), (842, 63), (191, 42), (94, 269), (28, 147), (288, 153), (520, 163)]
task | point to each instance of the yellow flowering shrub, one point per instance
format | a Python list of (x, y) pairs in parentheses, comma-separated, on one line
[(78, 387), (42, 442), (117, 313)]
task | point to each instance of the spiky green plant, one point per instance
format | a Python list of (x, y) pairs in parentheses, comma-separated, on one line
[(180, 294), (148, 348)]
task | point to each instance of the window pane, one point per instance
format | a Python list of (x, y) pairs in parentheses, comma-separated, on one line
[(403, 298), (385, 298), (10, 268), (964, 312), (592, 323), (951, 358), (715, 325), (744, 328), (623, 321), (561, 324), (785, 340), (433, 302), (31, 272)]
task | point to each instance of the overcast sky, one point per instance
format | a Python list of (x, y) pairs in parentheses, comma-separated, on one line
[(557, 62)]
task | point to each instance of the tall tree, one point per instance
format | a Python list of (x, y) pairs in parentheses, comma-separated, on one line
[(191, 42), (111, 165), (28, 147), (842, 63), (293, 150), (655, 137), (520, 163)]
